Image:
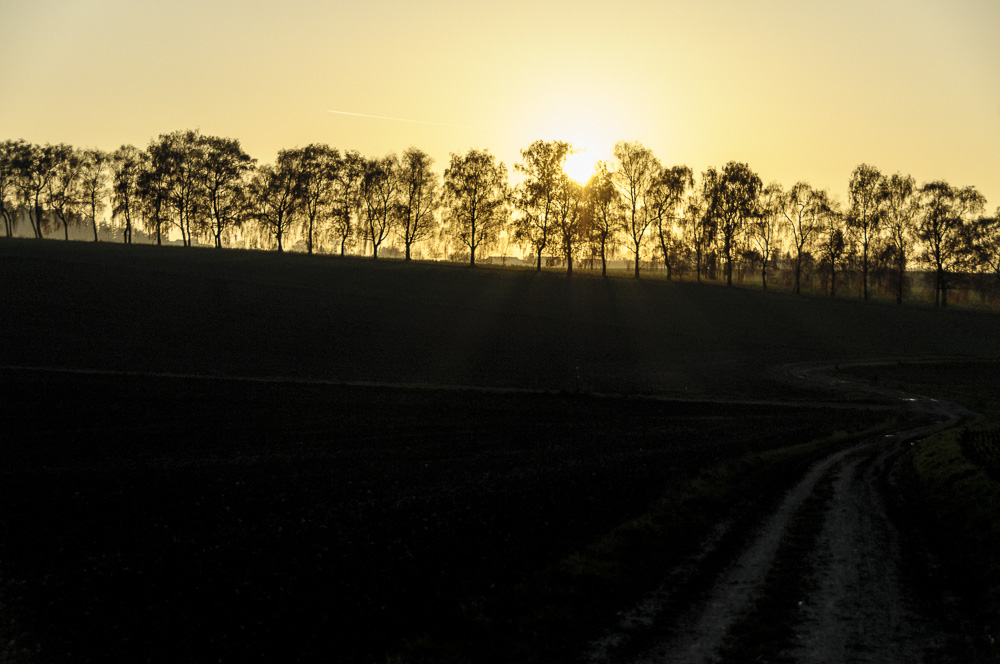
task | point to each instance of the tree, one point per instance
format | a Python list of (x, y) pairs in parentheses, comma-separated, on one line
[(833, 245), (10, 152), (602, 212), (802, 207), (569, 219), (346, 196), (865, 214), (763, 226), (700, 227), (34, 167), (988, 243), (476, 196), (64, 190), (664, 197), (635, 168), (273, 196), (900, 207), (153, 189), (419, 198), (94, 183), (315, 166), (184, 154), (731, 196), (127, 166), (542, 167), (946, 232), (223, 172), (379, 188)]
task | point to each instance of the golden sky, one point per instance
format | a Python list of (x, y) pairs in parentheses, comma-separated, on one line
[(798, 89)]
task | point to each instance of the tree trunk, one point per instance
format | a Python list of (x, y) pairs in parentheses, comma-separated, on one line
[(798, 274), (637, 261), (538, 263), (763, 277), (604, 259), (472, 256), (407, 253), (833, 282), (864, 274)]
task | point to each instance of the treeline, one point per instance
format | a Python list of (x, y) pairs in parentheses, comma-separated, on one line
[(206, 188)]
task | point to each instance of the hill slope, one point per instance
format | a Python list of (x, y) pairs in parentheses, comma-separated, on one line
[(257, 314)]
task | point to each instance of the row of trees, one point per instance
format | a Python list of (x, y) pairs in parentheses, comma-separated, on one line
[(207, 188)]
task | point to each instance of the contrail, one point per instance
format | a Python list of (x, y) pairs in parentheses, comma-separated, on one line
[(436, 124)]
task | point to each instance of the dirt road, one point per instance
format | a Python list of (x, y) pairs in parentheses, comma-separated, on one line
[(834, 574)]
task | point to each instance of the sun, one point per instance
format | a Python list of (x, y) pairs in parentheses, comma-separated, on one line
[(580, 164)]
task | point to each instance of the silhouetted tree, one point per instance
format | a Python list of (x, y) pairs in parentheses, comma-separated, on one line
[(664, 197), (316, 166), (988, 243), (900, 206), (346, 195), (542, 167), (127, 166), (224, 170), (762, 228), (700, 228), (35, 166), (183, 154), (476, 198), (635, 168), (569, 219), (732, 199), (64, 191), (9, 153), (94, 183), (801, 207), (603, 213), (154, 189), (946, 233), (273, 196), (833, 244), (865, 215), (379, 189), (419, 198)]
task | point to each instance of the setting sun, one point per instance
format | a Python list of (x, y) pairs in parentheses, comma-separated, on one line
[(580, 164)]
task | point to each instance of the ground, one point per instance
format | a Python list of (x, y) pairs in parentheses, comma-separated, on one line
[(228, 455)]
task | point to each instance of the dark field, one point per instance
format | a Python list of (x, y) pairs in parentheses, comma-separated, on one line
[(207, 517)]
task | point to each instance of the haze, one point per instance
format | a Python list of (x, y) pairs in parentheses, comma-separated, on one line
[(800, 91)]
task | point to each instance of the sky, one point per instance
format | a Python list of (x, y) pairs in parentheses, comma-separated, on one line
[(798, 90)]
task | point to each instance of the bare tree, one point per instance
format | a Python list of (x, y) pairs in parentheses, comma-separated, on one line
[(64, 190), (10, 152), (834, 247), (900, 206), (346, 196), (802, 207), (988, 243), (476, 198), (542, 167), (762, 227), (946, 232), (731, 196), (419, 198), (603, 213), (94, 183), (635, 168), (379, 189), (569, 219), (184, 154), (153, 189), (224, 170), (34, 167), (665, 195), (316, 166), (699, 227), (273, 197), (865, 215), (127, 165)]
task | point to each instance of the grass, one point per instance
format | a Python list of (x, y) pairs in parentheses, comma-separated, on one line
[(963, 499)]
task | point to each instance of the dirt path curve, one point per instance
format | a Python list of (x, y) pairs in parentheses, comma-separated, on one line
[(859, 603)]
